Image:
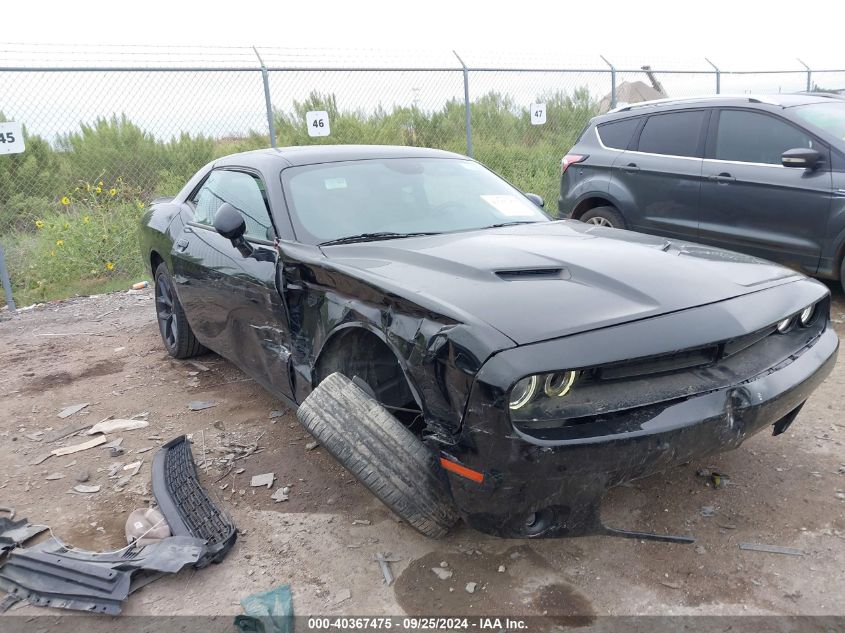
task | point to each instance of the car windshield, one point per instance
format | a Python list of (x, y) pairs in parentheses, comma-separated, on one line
[(830, 117), (381, 199)]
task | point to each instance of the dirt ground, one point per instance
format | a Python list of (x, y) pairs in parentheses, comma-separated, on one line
[(106, 351)]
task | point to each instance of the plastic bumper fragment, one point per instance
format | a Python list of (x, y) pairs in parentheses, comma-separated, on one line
[(186, 505)]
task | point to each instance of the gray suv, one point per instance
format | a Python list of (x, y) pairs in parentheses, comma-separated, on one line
[(764, 175)]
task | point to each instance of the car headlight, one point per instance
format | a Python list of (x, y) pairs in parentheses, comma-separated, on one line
[(785, 325), (555, 385), (558, 384), (806, 315), (523, 391), (804, 319)]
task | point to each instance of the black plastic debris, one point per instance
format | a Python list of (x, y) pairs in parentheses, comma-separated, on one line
[(185, 504), (13, 533), (51, 574), (55, 575)]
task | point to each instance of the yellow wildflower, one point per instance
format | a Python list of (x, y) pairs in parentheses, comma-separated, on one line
[(109, 266), (87, 186), (65, 200), (98, 190), (86, 219), (60, 242), (39, 224), (52, 253), (101, 183), (112, 192)]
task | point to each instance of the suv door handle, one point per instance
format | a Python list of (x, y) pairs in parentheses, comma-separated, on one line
[(181, 245), (723, 177), (630, 167)]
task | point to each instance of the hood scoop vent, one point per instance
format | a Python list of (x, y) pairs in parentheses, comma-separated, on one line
[(527, 274)]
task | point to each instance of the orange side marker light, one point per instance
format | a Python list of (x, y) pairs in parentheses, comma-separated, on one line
[(463, 471)]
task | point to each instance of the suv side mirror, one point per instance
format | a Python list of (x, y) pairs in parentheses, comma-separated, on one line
[(801, 157), (538, 200)]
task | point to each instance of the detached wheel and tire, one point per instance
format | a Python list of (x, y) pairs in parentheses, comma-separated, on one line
[(604, 216), (381, 452), (178, 338)]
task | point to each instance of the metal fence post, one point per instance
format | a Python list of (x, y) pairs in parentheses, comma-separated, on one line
[(467, 110), (271, 123), (612, 82), (7, 285), (718, 76), (809, 76)]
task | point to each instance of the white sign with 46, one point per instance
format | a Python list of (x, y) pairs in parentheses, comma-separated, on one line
[(318, 123)]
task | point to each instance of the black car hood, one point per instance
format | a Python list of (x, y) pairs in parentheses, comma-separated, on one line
[(550, 279)]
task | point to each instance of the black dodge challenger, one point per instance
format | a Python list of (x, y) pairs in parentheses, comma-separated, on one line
[(463, 354)]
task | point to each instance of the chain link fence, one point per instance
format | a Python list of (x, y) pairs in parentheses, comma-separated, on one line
[(111, 129)]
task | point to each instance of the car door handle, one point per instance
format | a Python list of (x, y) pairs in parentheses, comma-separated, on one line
[(723, 177), (630, 167), (181, 245)]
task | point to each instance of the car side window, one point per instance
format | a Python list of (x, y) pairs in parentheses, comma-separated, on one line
[(674, 134), (751, 137), (618, 134), (243, 191)]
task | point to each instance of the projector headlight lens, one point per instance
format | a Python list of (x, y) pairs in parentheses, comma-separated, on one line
[(559, 384), (523, 391), (807, 315), (783, 326)]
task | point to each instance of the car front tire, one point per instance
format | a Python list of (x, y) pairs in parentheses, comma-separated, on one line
[(604, 216), (176, 333), (381, 452)]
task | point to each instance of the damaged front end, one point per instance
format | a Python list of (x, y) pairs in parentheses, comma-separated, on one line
[(53, 574), (624, 402)]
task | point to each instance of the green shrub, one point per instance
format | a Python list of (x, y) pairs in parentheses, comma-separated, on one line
[(94, 236)]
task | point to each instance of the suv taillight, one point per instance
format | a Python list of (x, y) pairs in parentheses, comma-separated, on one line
[(571, 159)]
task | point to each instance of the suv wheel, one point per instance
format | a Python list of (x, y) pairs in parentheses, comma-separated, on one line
[(604, 216)]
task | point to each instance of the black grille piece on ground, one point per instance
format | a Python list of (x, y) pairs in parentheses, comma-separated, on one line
[(186, 505)]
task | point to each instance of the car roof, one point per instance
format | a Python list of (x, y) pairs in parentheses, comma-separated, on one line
[(313, 154), (763, 101)]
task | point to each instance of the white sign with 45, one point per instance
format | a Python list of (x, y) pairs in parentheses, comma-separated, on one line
[(11, 138)]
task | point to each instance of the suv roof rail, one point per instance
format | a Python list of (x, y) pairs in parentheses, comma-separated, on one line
[(670, 100)]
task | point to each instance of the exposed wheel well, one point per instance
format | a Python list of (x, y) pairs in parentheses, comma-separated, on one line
[(590, 203), (358, 352), (155, 260)]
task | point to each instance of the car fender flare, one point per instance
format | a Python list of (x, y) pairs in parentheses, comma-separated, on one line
[(382, 336), (605, 195)]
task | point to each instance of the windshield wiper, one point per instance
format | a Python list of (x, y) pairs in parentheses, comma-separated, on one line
[(373, 237), (514, 223)]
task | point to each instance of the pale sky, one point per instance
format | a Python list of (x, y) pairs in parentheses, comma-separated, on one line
[(731, 33)]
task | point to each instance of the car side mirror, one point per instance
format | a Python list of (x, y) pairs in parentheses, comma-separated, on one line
[(801, 157), (231, 225), (538, 200)]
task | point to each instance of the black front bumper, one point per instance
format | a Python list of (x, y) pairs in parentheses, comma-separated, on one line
[(547, 488)]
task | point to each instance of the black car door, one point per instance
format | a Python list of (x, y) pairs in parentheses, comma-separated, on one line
[(662, 174), (232, 301), (751, 203)]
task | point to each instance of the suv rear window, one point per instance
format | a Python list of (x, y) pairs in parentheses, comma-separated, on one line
[(618, 133), (675, 134)]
